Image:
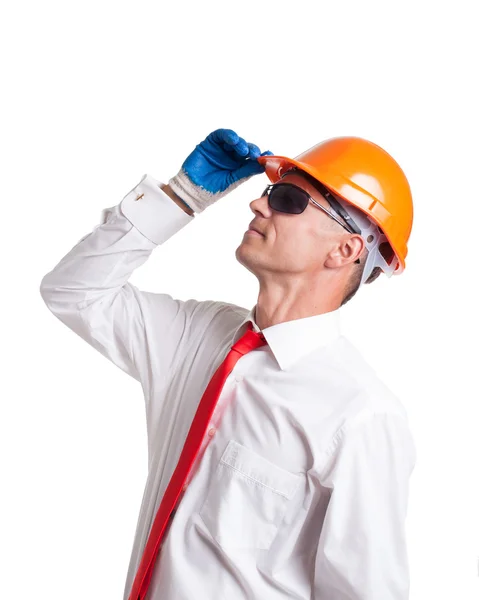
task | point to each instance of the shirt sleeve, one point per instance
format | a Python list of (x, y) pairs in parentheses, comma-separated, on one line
[(362, 552), (88, 290)]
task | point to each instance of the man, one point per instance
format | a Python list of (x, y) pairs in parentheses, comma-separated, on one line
[(299, 488)]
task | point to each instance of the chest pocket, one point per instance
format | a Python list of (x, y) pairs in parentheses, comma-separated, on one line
[(247, 499)]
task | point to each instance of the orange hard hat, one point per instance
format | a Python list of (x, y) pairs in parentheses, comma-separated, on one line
[(362, 174)]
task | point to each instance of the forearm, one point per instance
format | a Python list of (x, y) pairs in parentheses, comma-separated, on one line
[(89, 290), (105, 258)]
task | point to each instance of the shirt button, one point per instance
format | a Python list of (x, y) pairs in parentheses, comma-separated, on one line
[(211, 431), (184, 487), (239, 377)]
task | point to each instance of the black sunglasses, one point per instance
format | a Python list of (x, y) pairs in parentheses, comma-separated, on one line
[(292, 199)]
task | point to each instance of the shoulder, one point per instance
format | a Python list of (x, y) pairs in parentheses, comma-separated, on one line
[(366, 390), (214, 320), (369, 413)]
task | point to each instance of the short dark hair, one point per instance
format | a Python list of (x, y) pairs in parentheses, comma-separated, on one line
[(355, 280)]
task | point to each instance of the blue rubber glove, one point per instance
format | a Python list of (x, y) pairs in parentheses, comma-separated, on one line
[(217, 165)]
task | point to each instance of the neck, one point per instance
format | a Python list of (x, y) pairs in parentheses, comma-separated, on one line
[(276, 304)]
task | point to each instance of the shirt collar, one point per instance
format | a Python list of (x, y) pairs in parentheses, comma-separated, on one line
[(292, 340)]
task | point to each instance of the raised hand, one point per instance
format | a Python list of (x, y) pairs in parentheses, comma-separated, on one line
[(219, 164)]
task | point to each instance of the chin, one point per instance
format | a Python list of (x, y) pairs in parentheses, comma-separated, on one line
[(238, 254), (241, 256), (243, 260)]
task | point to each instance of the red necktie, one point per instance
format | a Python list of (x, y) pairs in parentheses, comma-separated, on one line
[(249, 341)]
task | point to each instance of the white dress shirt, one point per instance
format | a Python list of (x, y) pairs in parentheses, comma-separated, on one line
[(300, 488)]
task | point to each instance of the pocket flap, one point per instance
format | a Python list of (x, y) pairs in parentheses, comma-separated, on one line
[(260, 469)]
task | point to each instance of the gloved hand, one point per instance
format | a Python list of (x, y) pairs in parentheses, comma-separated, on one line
[(217, 165)]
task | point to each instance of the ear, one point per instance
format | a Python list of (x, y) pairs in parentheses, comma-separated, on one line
[(346, 251)]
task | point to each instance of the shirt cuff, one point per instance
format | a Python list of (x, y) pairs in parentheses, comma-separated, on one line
[(152, 211)]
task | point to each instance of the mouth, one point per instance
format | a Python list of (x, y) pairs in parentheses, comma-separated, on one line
[(253, 229)]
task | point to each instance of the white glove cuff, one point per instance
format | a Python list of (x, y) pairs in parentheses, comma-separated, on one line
[(194, 195)]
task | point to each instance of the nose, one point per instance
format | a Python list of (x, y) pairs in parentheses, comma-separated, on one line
[(260, 205)]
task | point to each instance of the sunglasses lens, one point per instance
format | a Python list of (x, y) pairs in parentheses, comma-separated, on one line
[(288, 199)]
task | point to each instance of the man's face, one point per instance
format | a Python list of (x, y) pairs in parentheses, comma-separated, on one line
[(291, 244)]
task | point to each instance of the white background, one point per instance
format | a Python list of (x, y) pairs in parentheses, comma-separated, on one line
[(95, 94)]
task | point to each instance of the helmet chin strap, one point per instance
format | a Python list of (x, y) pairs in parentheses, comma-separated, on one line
[(373, 239)]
